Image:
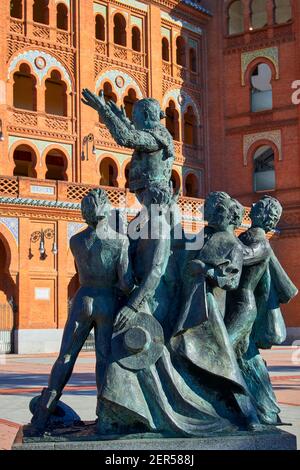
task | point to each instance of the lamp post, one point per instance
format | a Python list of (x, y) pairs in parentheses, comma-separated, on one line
[(85, 145), (41, 236)]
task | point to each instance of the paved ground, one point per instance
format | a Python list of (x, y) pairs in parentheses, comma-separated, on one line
[(22, 377)]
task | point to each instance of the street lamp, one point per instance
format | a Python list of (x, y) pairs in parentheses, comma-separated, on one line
[(48, 234), (85, 144)]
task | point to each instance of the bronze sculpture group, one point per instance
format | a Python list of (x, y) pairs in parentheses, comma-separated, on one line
[(177, 332)]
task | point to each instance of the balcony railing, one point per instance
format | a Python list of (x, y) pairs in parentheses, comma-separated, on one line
[(17, 26), (166, 68), (192, 153), (100, 47), (180, 72), (48, 122), (187, 153), (31, 189), (63, 37), (40, 31), (259, 35), (127, 55), (138, 58)]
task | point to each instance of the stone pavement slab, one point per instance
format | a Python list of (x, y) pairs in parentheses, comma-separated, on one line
[(22, 377)]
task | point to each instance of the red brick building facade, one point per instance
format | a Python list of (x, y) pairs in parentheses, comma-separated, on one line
[(254, 122), (210, 64)]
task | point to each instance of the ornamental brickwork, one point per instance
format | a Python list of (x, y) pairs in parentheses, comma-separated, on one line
[(53, 49), (240, 46), (55, 149)]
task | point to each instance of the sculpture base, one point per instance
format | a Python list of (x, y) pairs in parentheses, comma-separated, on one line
[(84, 437)]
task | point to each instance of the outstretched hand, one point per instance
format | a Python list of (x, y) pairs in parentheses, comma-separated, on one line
[(120, 112), (92, 100), (125, 315)]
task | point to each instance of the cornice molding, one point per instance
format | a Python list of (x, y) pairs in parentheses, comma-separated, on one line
[(263, 127)]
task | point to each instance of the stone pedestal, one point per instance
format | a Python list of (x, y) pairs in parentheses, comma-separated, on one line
[(84, 437)]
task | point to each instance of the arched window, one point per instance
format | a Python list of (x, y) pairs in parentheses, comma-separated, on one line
[(56, 164), (25, 161), (264, 171), (136, 39), (259, 14), (109, 95), (16, 9), (41, 11), (236, 17), (56, 95), (175, 179), (191, 186), (193, 60), (100, 28), (108, 173), (108, 92), (62, 17), (283, 11), (129, 101), (180, 51), (24, 89), (165, 49), (261, 88), (120, 30), (172, 120), (190, 127), (127, 169)]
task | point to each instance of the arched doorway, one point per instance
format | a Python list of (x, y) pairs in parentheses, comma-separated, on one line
[(129, 101), (172, 120), (7, 299), (56, 164), (126, 173), (108, 173), (62, 17), (24, 89), (56, 101), (119, 30), (190, 127), (16, 9), (136, 39), (109, 95), (180, 51), (100, 28), (191, 186), (193, 60), (165, 49), (25, 161), (40, 11), (175, 179)]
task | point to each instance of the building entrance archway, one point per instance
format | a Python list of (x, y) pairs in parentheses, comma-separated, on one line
[(7, 300)]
